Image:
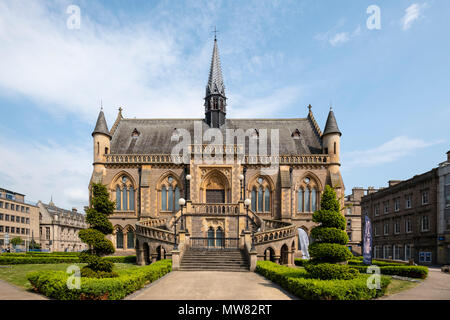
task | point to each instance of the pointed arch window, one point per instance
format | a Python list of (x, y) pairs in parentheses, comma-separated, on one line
[(118, 198), (119, 239), (210, 237), (219, 237), (313, 200), (125, 198), (254, 200), (164, 198), (124, 193), (177, 197), (267, 200), (170, 194), (131, 206), (170, 199), (300, 200), (260, 200), (130, 239), (307, 201), (261, 196)]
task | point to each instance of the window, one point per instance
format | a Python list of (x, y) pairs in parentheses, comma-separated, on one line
[(130, 239), (300, 200), (10, 196), (424, 197), (254, 200), (397, 205), (260, 199), (27, 210), (349, 211), (261, 196), (27, 220), (307, 201), (396, 252), (446, 191), (47, 233), (349, 236), (1, 204), (6, 229), (267, 200), (376, 231), (386, 229), (22, 220), (6, 205), (13, 218), (219, 237), (17, 219), (408, 203), (377, 209), (313, 200), (425, 223), (397, 227), (349, 223), (210, 237), (118, 199), (12, 206), (170, 194), (408, 225), (1, 216), (386, 206), (22, 208), (6, 217), (164, 198), (119, 239), (425, 257), (17, 208)]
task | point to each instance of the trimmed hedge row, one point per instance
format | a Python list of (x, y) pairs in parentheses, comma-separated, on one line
[(54, 284), (330, 271), (402, 271), (31, 259), (376, 262), (298, 282)]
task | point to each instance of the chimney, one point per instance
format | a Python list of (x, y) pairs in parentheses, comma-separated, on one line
[(74, 210), (448, 156), (393, 182), (371, 190)]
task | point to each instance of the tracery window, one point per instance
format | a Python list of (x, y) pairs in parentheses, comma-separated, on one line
[(119, 239), (261, 196), (308, 195), (170, 194), (125, 194), (130, 239)]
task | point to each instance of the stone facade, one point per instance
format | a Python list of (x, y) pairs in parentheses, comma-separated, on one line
[(352, 212), (17, 219), (146, 180), (404, 219), (58, 228), (443, 223)]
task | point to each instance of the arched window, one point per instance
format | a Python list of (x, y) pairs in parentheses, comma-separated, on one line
[(335, 148), (267, 200), (170, 199), (219, 237), (260, 200), (118, 197), (177, 197), (300, 200), (254, 200), (125, 198), (164, 198), (307, 201), (210, 237), (131, 207), (130, 239), (313, 200), (119, 239)]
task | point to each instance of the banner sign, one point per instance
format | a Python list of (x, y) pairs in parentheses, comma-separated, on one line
[(367, 241)]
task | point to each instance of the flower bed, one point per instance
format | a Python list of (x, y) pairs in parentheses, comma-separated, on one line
[(298, 282), (54, 284)]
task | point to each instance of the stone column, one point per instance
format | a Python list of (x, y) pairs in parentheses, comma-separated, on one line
[(253, 259), (277, 259), (290, 258), (175, 260), (140, 260)]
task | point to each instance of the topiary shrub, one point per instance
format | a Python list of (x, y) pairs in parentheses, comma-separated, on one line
[(94, 237), (329, 243)]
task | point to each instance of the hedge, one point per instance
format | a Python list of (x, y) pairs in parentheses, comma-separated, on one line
[(53, 284), (402, 271), (8, 259), (299, 283), (329, 252), (330, 271), (376, 262)]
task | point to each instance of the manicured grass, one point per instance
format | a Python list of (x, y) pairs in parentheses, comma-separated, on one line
[(397, 286), (17, 274)]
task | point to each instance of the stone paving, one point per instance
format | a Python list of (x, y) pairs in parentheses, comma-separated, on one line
[(11, 292), (212, 285), (435, 287)]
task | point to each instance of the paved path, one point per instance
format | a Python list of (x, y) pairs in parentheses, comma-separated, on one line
[(212, 285), (435, 287), (11, 292)]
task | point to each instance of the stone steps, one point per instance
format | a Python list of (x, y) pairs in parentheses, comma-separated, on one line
[(212, 260)]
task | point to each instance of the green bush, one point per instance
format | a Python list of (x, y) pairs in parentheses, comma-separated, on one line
[(329, 219), (54, 284), (329, 271), (330, 235), (300, 283), (300, 262), (376, 262), (420, 272), (329, 252)]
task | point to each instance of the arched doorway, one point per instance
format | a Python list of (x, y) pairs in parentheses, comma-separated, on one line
[(284, 254), (269, 254), (161, 253), (215, 188), (146, 253)]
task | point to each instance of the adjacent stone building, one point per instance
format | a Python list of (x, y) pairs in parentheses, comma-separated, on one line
[(17, 219), (58, 228), (404, 219), (146, 179), (443, 219), (352, 212)]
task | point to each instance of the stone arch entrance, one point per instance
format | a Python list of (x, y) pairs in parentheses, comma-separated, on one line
[(146, 253), (215, 188), (161, 253), (269, 254), (284, 259)]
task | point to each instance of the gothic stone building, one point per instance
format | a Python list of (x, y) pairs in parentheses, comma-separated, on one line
[(146, 180)]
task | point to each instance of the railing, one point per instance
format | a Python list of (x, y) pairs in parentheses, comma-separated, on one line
[(215, 208), (275, 234), (153, 222), (214, 243), (275, 224), (155, 233), (247, 159)]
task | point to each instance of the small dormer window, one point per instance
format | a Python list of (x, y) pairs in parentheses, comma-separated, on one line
[(296, 134), (135, 133)]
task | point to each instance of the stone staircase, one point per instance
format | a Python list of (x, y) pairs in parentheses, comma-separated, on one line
[(214, 260)]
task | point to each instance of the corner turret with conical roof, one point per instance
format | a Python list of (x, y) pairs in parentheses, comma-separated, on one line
[(331, 141), (102, 141), (331, 125), (215, 99)]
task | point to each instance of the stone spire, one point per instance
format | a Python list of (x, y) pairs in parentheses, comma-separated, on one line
[(331, 125), (101, 126), (215, 99)]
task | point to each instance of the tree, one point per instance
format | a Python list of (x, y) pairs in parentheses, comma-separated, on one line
[(94, 237), (34, 245), (330, 239), (16, 241)]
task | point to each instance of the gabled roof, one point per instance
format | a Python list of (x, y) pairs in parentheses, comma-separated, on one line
[(215, 81), (101, 126), (331, 125)]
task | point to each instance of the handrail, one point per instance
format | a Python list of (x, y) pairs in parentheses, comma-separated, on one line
[(275, 234), (215, 208), (155, 233)]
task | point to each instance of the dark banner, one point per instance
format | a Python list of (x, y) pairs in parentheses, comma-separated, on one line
[(367, 241)]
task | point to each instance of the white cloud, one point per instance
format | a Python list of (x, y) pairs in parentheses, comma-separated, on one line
[(389, 151), (339, 38), (412, 13), (40, 171)]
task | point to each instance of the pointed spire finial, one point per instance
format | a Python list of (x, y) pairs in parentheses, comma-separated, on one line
[(309, 107), (215, 33)]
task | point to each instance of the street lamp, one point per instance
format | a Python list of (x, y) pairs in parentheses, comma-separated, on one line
[(247, 203), (241, 178), (182, 202)]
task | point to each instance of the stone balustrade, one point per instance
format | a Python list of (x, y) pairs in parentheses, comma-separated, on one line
[(212, 208), (275, 234), (154, 233), (153, 222)]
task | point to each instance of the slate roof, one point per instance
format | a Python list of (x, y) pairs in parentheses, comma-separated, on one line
[(331, 125), (154, 135), (215, 80), (101, 126)]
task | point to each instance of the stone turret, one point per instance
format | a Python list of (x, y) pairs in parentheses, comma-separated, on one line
[(102, 140), (331, 141)]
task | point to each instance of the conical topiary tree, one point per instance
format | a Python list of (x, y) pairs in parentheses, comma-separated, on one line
[(330, 239), (94, 237)]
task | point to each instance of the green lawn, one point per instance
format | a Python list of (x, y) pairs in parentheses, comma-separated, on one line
[(17, 274), (399, 285)]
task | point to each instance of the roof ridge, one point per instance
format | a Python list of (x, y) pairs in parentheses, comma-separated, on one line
[(116, 123), (314, 122)]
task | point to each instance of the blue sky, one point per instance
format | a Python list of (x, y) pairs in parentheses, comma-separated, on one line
[(389, 88)]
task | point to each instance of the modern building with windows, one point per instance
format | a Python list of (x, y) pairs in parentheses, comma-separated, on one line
[(405, 219), (18, 218), (58, 228), (147, 180)]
